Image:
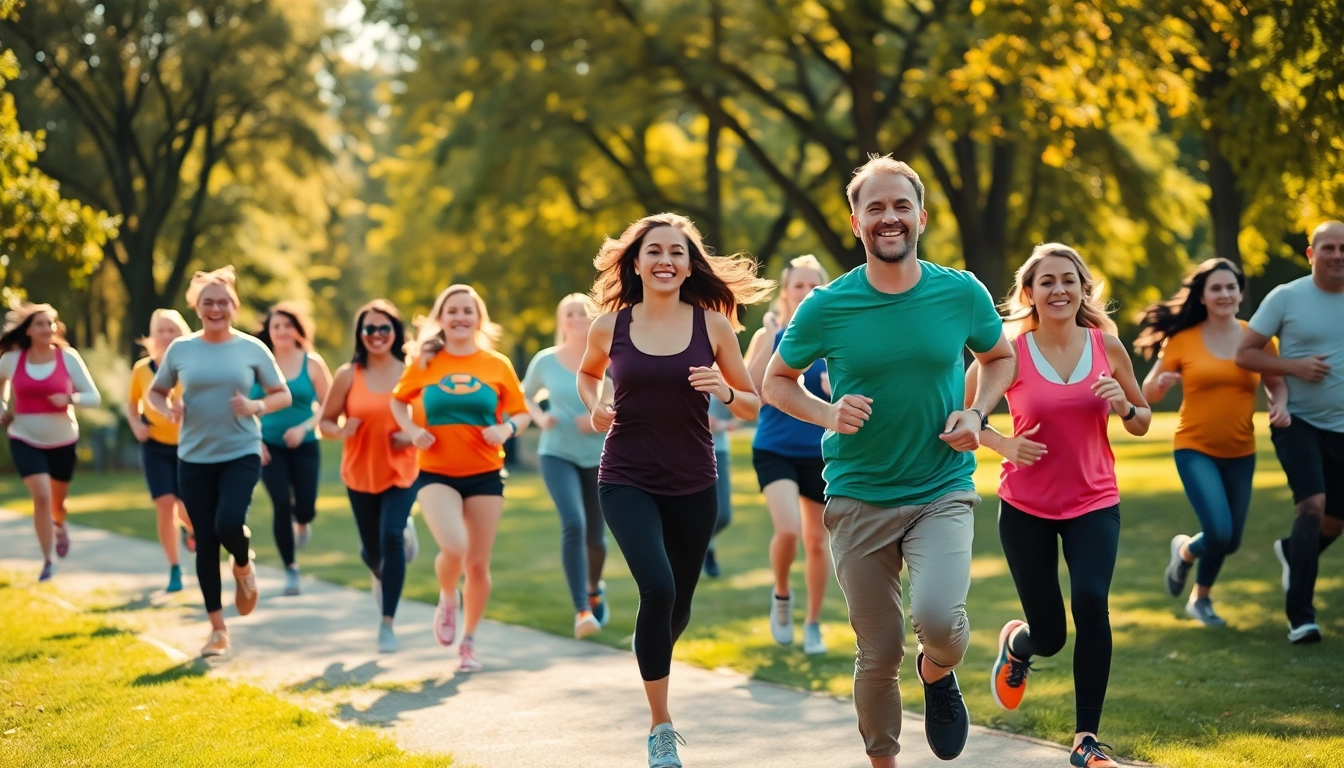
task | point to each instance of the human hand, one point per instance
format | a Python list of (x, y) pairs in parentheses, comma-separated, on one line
[(1279, 416), (265, 455), (1313, 369), (294, 436), (1020, 451), (497, 434), (140, 431), (849, 413), (771, 325), (1168, 379), (962, 431), (547, 420), (422, 439), (351, 426), (176, 409), (1108, 389), (584, 423), (243, 406), (401, 441), (60, 399), (602, 417), (709, 381)]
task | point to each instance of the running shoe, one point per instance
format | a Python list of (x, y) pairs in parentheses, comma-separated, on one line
[(245, 592), (1201, 609), (292, 580), (1008, 677), (946, 721), (663, 743), (1178, 570), (445, 619), (411, 539), (585, 624), (597, 603), (217, 645), (174, 579), (1281, 552), (301, 533), (1088, 754), (1303, 634), (781, 618), (813, 645), (387, 639), (62, 540), (466, 656), (188, 540), (48, 570), (376, 586), (711, 564)]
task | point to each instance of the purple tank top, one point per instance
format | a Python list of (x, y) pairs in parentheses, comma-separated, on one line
[(660, 441)]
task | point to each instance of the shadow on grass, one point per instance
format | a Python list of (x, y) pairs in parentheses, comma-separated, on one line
[(103, 631), (183, 671), (140, 603)]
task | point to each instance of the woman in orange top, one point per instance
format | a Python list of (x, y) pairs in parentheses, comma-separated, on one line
[(469, 403), (1195, 335), (378, 460), (157, 435)]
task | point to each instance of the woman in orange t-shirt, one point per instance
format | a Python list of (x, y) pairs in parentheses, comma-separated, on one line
[(1195, 335), (469, 403), (378, 462)]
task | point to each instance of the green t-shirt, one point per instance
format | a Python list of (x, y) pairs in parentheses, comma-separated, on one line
[(905, 351)]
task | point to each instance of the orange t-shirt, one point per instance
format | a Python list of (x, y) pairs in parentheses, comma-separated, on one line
[(456, 398), (369, 463), (1218, 397)]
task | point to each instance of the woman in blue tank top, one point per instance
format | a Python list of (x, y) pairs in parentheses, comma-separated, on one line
[(291, 458), (786, 453), (670, 344)]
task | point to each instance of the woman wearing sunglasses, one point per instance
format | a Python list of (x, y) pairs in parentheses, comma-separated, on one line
[(378, 463)]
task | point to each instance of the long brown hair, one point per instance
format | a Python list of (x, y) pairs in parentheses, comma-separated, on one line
[(1021, 313), (297, 316), (1163, 319), (17, 320), (430, 338), (716, 283)]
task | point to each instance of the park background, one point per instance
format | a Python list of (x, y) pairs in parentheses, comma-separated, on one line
[(334, 152)]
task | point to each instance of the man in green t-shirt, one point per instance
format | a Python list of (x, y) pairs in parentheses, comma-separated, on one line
[(899, 448)]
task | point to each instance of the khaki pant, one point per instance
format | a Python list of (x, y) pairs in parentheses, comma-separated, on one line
[(870, 544)]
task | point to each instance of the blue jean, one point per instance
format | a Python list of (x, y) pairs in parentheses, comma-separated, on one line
[(724, 490), (381, 520), (583, 537), (1220, 492)]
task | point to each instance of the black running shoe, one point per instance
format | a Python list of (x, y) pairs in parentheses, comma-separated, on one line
[(1088, 754), (946, 721), (1177, 569)]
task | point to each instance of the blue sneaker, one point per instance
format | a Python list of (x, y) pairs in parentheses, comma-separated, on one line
[(813, 645), (48, 570), (663, 747), (597, 603), (175, 579)]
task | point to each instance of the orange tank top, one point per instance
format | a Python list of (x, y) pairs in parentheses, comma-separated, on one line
[(369, 463)]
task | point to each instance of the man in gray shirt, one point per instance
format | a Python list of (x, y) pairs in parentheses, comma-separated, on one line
[(1307, 315)]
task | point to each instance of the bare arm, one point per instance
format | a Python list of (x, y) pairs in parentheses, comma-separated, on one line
[(994, 373), (333, 405), (1159, 381), (591, 371), (758, 358), (784, 390), (741, 397), (1252, 356), (1130, 393)]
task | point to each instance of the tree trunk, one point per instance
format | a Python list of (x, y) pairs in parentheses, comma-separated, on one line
[(141, 294), (1225, 200)]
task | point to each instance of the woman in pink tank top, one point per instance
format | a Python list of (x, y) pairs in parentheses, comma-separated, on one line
[(1058, 481)]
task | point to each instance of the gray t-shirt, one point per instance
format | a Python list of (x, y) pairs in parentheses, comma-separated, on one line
[(1308, 321), (210, 374), (718, 410), (564, 440)]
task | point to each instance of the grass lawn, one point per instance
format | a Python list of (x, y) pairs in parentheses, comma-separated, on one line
[(1180, 694), (75, 690)]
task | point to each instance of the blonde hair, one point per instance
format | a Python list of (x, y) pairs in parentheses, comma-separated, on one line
[(162, 313), (882, 164), (1021, 313), (573, 298), (806, 261), (430, 338), (224, 276)]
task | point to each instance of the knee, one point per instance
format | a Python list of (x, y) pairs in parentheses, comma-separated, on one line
[(788, 534), (880, 660), (1090, 609), (658, 596), (393, 541), (477, 568), (572, 530), (1312, 507), (1219, 541), (814, 544), (945, 635)]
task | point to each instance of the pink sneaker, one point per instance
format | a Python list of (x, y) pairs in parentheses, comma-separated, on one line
[(466, 654), (445, 618), (62, 541)]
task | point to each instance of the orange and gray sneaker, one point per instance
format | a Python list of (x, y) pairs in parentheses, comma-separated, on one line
[(217, 645), (245, 584), (1008, 679), (1088, 754)]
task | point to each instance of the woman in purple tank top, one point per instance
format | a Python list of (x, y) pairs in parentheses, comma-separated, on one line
[(670, 344)]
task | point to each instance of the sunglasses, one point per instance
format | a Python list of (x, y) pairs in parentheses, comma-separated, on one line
[(370, 330)]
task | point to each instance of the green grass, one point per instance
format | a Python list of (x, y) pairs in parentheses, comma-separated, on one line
[(75, 690), (1180, 694)]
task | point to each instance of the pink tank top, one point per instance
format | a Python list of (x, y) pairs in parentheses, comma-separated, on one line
[(31, 395), (1077, 474)]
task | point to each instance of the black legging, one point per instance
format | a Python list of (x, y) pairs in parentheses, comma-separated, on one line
[(381, 519), (217, 497), (291, 480), (1090, 542), (664, 539)]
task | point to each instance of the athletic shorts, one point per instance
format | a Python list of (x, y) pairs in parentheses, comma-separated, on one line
[(484, 484), (1313, 460), (159, 463), (806, 473), (30, 460)]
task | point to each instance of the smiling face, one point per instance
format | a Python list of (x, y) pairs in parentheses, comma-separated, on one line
[(1222, 294), (162, 332), (1327, 255), (459, 318), (215, 307), (377, 332), (1056, 290), (284, 334), (888, 217), (799, 284), (574, 321), (664, 260), (42, 329)]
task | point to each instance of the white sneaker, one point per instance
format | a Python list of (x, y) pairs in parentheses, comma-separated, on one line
[(781, 618), (412, 541), (813, 645), (1304, 633), (1283, 561), (585, 624)]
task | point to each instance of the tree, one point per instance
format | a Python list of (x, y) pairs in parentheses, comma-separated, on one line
[(180, 117)]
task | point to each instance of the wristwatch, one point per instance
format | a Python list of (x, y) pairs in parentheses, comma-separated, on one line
[(1132, 413), (984, 420)]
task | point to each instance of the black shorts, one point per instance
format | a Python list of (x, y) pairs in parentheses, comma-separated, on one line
[(30, 460), (1313, 460), (159, 463), (484, 484), (806, 473)]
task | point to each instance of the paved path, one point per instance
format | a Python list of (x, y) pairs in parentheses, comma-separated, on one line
[(543, 700)]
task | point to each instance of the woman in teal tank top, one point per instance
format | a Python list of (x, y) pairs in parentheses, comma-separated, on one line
[(291, 458)]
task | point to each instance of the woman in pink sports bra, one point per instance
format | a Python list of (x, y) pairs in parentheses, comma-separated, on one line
[(1058, 480), (46, 379)]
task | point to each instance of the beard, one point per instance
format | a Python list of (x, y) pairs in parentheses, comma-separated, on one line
[(896, 254)]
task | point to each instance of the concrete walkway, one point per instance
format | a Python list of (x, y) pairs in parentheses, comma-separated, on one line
[(542, 701)]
